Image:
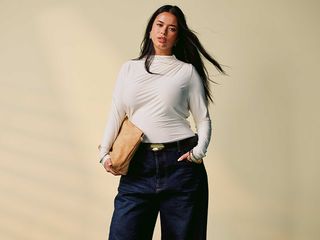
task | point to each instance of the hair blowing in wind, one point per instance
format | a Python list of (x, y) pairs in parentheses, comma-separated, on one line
[(187, 48)]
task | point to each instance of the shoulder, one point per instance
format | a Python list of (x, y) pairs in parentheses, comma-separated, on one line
[(130, 64), (189, 68), (192, 72), (195, 80), (125, 65)]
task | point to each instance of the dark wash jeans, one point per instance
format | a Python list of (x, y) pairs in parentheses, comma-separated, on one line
[(157, 182)]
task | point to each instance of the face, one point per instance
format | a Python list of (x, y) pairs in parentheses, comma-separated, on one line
[(164, 33)]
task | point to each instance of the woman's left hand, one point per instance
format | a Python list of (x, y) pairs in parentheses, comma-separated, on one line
[(185, 156)]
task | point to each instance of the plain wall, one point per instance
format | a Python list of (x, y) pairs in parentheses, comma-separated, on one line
[(58, 64)]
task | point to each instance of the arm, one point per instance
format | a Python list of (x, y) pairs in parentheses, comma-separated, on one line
[(199, 110), (116, 116)]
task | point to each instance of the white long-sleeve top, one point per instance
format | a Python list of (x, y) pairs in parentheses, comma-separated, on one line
[(159, 104)]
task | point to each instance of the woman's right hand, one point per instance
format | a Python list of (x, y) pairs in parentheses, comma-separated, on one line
[(108, 167)]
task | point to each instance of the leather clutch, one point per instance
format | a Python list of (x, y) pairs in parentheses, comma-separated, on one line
[(124, 146)]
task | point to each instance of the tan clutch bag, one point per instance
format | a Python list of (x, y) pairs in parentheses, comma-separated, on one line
[(124, 146)]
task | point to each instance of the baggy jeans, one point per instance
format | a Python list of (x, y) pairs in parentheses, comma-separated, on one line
[(157, 183)]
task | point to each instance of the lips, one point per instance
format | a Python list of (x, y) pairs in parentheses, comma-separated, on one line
[(162, 39)]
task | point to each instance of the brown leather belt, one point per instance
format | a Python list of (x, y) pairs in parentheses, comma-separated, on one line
[(176, 145)]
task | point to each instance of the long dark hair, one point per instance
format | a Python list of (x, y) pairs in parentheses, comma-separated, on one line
[(186, 49)]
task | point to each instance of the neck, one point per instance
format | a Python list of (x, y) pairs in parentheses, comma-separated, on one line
[(163, 53)]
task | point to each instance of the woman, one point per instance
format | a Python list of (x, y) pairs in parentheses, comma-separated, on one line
[(157, 91)]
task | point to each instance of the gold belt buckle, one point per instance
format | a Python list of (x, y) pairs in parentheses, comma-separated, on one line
[(156, 146)]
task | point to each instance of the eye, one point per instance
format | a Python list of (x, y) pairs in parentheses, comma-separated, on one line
[(173, 29)]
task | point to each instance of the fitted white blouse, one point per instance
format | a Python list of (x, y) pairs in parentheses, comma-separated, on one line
[(159, 104)]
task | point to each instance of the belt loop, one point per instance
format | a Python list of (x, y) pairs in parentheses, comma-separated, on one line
[(179, 146)]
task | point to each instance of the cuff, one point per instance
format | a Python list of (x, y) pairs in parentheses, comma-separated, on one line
[(104, 158), (197, 153)]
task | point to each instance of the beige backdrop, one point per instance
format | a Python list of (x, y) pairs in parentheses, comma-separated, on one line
[(58, 63)]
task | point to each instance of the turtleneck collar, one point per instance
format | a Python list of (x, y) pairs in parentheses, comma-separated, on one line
[(168, 59), (164, 56)]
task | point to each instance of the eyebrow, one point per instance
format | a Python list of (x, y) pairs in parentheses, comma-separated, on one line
[(169, 25)]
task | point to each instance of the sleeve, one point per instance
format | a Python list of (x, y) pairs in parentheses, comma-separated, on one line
[(116, 114), (200, 113)]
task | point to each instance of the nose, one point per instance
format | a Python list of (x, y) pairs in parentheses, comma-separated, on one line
[(163, 31)]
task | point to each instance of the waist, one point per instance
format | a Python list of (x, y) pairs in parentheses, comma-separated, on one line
[(179, 145)]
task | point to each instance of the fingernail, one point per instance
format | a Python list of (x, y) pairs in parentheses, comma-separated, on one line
[(179, 159)]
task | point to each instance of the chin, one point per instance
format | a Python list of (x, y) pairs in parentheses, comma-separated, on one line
[(164, 47)]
